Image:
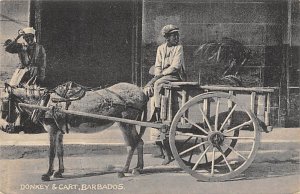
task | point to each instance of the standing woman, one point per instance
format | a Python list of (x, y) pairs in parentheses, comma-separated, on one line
[(32, 68)]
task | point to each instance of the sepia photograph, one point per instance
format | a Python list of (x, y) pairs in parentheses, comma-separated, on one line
[(150, 96)]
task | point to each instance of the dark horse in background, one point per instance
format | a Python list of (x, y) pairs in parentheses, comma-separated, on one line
[(121, 100)]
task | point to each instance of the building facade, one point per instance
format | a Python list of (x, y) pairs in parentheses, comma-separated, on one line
[(98, 43)]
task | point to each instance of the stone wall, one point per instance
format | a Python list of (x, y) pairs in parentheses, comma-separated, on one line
[(294, 67), (260, 25), (256, 24)]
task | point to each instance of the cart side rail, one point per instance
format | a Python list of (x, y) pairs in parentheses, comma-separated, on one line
[(260, 97)]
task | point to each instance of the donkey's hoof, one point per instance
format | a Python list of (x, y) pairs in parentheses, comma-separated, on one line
[(121, 174), (166, 161), (45, 177), (136, 171), (58, 175)]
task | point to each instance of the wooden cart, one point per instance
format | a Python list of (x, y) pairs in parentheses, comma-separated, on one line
[(215, 135), (213, 131)]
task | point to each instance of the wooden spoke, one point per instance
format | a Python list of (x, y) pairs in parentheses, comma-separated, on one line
[(217, 114), (200, 158), (191, 154), (239, 126), (231, 137), (219, 156), (236, 152), (228, 116), (190, 135), (195, 124), (187, 140), (203, 145), (228, 165), (191, 148), (205, 118), (213, 162)]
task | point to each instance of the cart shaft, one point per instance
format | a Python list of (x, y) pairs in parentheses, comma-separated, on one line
[(96, 116)]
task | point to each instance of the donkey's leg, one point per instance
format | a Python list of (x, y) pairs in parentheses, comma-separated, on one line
[(131, 145), (135, 142), (60, 155), (140, 162), (140, 143), (52, 150), (140, 149), (140, 152)]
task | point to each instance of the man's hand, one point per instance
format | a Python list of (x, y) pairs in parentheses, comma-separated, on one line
[(148, 90), (19, 36)]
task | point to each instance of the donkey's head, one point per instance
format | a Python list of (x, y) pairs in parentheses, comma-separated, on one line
[(15, 95), (28, 94)]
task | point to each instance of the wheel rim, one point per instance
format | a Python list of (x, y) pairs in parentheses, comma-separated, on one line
[(214, 145)]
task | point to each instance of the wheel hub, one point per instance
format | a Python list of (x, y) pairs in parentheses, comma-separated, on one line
[(216, 138)]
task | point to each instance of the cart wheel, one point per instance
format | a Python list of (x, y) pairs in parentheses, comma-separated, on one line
[(214, 137)]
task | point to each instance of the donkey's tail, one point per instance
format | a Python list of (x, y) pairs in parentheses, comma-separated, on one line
[(143, 118)]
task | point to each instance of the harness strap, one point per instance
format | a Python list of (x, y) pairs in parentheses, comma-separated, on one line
[(67, 117)]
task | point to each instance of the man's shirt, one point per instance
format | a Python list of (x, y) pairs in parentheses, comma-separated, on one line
[(169, 60)]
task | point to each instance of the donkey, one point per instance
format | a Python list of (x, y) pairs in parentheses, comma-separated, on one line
[(121, 100)]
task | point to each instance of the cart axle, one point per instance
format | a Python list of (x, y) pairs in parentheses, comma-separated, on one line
[(216, 138)]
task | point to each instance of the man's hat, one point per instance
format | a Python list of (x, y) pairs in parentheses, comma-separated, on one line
[(168, 29), (29, 30)]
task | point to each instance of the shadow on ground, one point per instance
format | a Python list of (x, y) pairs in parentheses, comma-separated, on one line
[(256, 171)]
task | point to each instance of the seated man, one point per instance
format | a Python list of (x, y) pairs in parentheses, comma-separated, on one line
[(169, 67)]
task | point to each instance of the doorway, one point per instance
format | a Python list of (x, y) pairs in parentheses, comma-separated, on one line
[(93, 43)]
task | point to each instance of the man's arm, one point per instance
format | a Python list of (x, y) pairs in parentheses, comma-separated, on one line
[(158, 62), (12, 46)]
